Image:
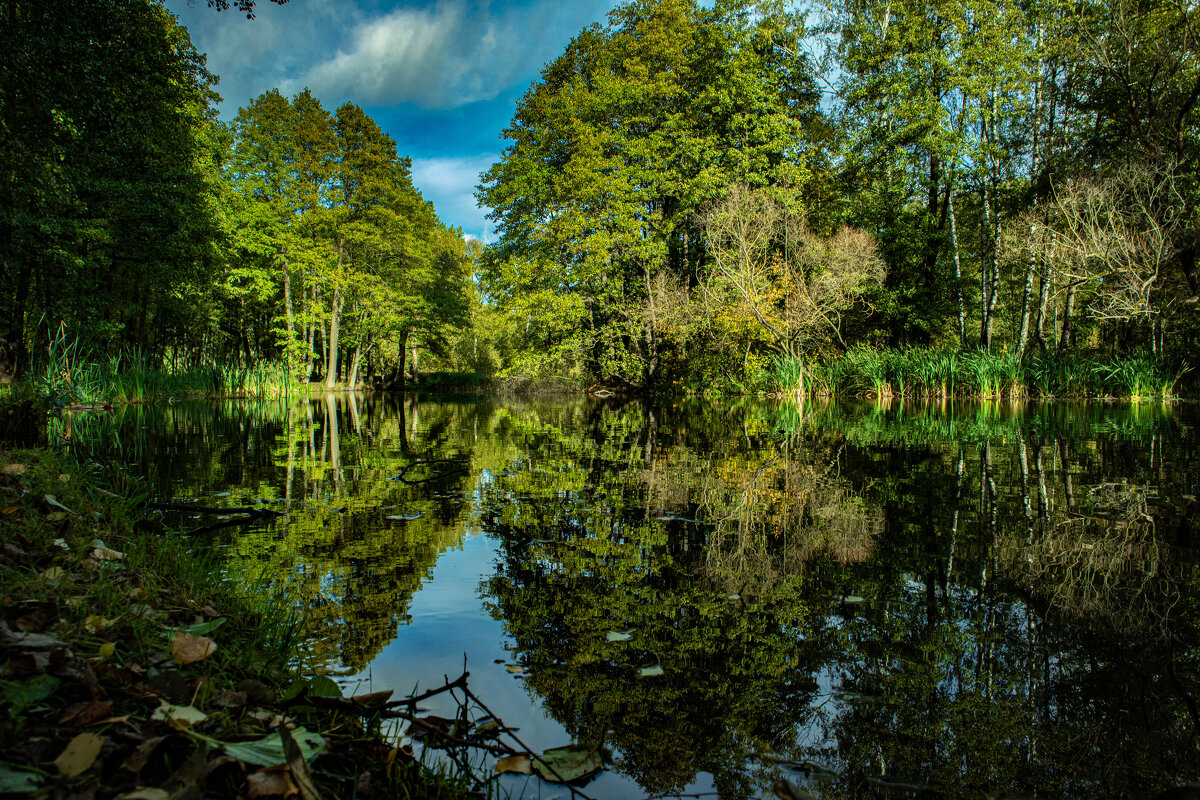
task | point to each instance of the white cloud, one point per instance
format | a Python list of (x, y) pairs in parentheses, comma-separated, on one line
[(439, 54), (450, 183), (445, 55)]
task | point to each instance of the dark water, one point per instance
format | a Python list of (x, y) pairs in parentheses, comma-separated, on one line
[(895, 601)]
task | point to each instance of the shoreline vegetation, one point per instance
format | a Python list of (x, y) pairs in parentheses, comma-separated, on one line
[(69, 382)]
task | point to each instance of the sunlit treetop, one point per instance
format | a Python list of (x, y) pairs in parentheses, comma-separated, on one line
[(240, 5)]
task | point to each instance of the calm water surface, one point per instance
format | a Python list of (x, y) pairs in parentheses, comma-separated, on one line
[(951, 600)]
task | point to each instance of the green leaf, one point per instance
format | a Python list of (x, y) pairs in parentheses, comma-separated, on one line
[(19, 781), (324, 686), (268, 751), (201, 628), (179, 716), (21, 695), (568, 764), (650, 672)]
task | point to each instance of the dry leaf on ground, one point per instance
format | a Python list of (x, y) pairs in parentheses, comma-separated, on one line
[(79, 755), (188, 649), (272, 782)]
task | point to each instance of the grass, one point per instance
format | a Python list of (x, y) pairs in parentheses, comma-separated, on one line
[(104, 612), (69, 376), (912, 373)]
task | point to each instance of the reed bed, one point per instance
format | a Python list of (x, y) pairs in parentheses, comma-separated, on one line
[(945, 372), (70, 376)]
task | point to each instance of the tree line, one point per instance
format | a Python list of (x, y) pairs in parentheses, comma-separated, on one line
[(700, 193), (694, 196), (136, 222)]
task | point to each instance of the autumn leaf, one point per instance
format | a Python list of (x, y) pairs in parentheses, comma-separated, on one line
[(79, 755), (272, 782), (519, 765), (188, 649)]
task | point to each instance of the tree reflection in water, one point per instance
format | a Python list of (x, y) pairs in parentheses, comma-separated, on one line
[(973, 598)]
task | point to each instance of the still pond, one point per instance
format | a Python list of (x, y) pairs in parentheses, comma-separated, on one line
[(894, 600)]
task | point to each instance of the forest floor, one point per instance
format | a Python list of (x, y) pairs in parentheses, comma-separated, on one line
[(130, 669)]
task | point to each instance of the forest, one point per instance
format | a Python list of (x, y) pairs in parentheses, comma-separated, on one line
[(852, 196)]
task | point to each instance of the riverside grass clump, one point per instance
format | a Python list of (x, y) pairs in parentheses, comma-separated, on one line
[(66, 376), (135, 667), (945, 372)]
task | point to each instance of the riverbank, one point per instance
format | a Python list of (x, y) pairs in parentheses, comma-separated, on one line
[(130, 668)]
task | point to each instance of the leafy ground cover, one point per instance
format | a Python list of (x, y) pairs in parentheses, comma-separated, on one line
[(129, 668)]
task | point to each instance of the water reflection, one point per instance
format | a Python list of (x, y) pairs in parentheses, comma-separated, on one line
[(877, 599)]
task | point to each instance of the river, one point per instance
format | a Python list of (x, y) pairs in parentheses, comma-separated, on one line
[(876, 599)]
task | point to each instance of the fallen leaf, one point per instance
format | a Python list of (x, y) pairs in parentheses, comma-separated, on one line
[(104, 554), (516, 669), (85, 714), (31, 622), (145, 794), (53, 573), (230, 699), (15, 469), (487, 729), (56, 516), (79, 755), (50, 500), (786, 790), (64, 478), (268, 751), (19, 781), (181, 717), (618, 636), (373, 699), (518, 765), (139, 758), (650, 672), (107, 649), (188, 649), (271, 782), (30, 641), (295, 760), (10, 510), (96, 623), (568, 764)]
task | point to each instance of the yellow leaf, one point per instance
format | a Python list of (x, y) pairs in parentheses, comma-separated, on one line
[(15, 469), (188, 649), (95, 623), (79, 755), (520, 765), (107, 649)]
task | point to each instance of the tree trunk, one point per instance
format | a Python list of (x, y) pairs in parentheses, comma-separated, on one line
[(1026, 296), (352, 381), (335, 322), (401, 355), (962, 306), (1067, 339)]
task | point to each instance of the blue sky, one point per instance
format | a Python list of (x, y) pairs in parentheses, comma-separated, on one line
[(441, 77)]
